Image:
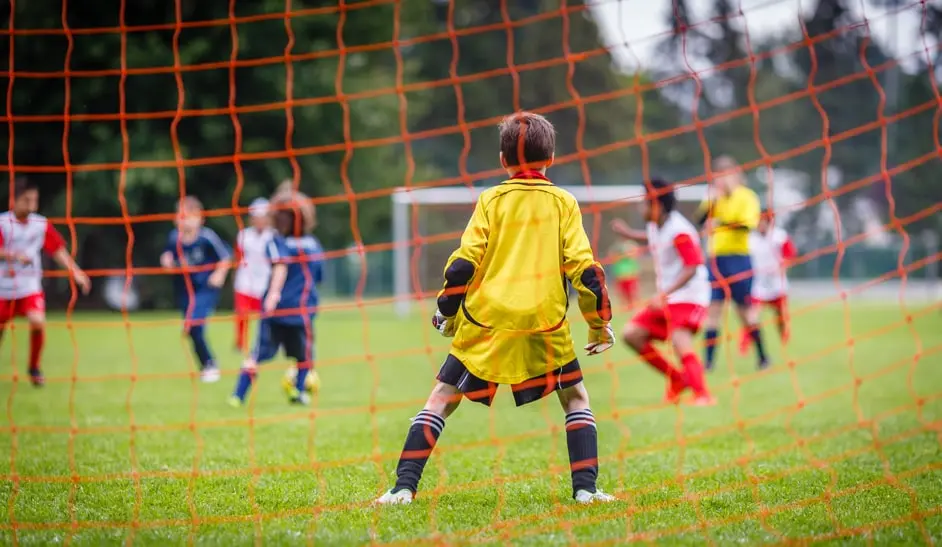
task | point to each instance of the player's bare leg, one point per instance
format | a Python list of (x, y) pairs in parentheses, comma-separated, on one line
[(639, 339), (712, 335), (682, 340), (583, 443), (423, 435), (749, 316), (37, 339), (782, 319)]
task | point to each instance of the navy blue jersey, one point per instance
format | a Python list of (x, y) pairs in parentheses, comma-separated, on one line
[(304, 258), (201, 254)]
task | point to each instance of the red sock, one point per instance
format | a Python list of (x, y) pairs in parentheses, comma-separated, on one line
[(693, 374), (242, 326), (654, 358), (37, 337)]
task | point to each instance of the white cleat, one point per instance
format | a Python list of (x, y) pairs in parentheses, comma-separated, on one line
[(586, 497), (210, 375), (400, 497)]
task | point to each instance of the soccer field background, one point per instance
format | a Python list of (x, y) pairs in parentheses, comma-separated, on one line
[(839, 440)]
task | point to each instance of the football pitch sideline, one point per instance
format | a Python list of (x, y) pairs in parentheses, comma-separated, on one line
[(841, 440)]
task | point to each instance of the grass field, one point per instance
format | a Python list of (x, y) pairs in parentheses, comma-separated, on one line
[(839, 441)]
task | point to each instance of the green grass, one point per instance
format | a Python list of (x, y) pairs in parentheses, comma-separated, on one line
[(839, 442)]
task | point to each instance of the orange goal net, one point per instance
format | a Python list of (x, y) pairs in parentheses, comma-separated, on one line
[(384, 112)]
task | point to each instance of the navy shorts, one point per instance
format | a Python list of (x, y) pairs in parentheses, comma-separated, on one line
[(203, 305), (454, 373), (297, 340), (734, 271)]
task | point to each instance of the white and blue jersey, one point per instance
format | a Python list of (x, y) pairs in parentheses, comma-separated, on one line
[(290, 325), (198, 259)]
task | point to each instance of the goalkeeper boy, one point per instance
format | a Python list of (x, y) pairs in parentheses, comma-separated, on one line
[(504, 301)]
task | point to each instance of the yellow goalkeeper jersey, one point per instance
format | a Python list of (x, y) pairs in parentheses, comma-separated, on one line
[(506, 284), (734, 217)]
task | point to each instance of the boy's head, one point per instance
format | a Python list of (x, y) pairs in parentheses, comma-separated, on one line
[(189, 214), (292, 212), (25, 198), (260, 214), (659, 200), (527, 141), (727, 174), (765, 221)]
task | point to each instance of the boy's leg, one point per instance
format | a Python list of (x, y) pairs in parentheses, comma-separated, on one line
[(204, 303), (647, 325), (428, 424), (426, 428), (781, 317), (241, 321), (34, 308), (583, 444), (745, 338), (266, 348), (682, 338), (299, 346)]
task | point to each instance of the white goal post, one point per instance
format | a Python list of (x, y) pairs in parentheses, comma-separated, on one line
[(403, 199)]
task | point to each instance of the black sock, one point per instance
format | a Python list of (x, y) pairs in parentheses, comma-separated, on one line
[(424, 433), (583, 442), (756, 335)]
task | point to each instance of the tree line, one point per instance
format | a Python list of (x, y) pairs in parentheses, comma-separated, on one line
[(350, 105)]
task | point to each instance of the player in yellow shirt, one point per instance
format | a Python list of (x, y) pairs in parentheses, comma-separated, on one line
[(730, 214), (505, 301)]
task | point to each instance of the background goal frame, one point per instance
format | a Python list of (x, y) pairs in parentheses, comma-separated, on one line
[(404, 199)]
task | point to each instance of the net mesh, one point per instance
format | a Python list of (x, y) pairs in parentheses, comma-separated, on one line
[(839, 439)]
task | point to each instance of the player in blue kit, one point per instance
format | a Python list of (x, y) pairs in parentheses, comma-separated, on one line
[(204, 260), (290, 303)]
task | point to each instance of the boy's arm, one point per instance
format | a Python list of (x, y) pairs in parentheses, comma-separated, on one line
[(223, 258), (464, 262), (54, 246), (169, 256), (279, 273), (584, 272)]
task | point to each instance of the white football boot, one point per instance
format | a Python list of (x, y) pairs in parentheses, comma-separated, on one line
[(400, 497), (586, 497), (210, 374)]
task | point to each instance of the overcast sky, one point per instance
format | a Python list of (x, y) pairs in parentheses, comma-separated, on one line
[(633, 27)]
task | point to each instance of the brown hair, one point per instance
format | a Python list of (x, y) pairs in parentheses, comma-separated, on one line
[(527, 138), (21, 185), (286, 204), (191, 204)]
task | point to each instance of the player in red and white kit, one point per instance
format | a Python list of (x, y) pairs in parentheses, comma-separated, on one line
[(254, 268), (24, 237), (770, 249), (683, 294)]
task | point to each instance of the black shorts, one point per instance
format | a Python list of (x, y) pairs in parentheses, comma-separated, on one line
[(454, 373)]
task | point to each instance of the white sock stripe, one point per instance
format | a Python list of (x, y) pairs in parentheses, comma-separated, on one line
[(583, 411), (580, 414), (429, 423), (431, 416), (582, 422)]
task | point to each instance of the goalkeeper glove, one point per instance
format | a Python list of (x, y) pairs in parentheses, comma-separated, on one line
[(600, 340), (445, 325)]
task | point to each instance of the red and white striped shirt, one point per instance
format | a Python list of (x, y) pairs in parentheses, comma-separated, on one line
[(27, 238)]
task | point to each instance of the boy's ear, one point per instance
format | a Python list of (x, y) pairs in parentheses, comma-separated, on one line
[(551, 160), (503, 162)]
